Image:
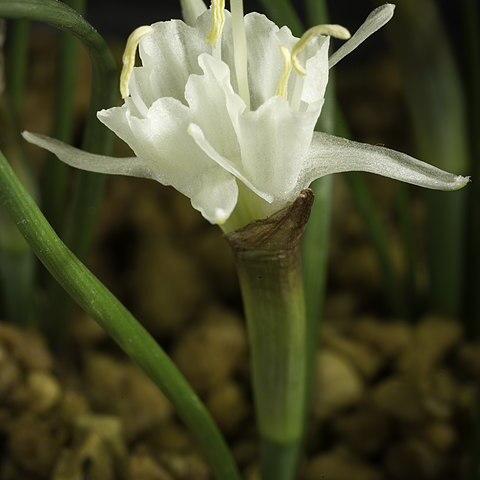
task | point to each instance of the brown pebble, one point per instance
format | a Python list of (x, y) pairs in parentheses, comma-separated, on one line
[(388, 338), (338, 465), (144, 467), (35, 444), (210, 351), (337, 384), (119, 388), (442, 436), (228, 406)]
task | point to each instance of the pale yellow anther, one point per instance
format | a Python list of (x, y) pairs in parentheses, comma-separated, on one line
[(218, 21), (336, 31), (128, 58), (282, 89)]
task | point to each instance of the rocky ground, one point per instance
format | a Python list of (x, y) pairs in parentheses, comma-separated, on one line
[(393, 400)]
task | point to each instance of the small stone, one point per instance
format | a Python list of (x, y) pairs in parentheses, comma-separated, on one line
[(338, 465), (400, 399), (337, 384), (170, 437), (440, 435), (98, 451), (364, 358), (35, 444), (414, 459), (433, 338), (43, 390), (26, 347), (120, 388), (168, 287), (144, 467), (365, 431), (210, 351), (73, 404), (185, 467), (439, 394), (10, 374), (92, 459), (228, 406), (388, 338)]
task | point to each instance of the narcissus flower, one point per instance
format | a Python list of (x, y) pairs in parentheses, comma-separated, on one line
[(224, 108)]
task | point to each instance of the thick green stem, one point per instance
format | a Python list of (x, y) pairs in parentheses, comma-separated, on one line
[(269, 267), (99, 303)]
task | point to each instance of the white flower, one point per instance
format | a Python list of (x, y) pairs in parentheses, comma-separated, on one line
[(229, 122)]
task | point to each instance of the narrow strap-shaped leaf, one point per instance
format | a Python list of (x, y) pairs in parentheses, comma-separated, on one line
[(104, 87), (99, 303), (56, 176), (435, 97)]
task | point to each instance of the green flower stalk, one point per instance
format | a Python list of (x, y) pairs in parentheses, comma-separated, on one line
[(268, 259), (224, 109)]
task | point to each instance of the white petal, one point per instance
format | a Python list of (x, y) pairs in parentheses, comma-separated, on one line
[(198, 136), (169, 55), (274, 141), (215, 106), (316, 80), (329, 154), (216, 195), (376, 20), (265, 62), (132, 167), (191, 10)]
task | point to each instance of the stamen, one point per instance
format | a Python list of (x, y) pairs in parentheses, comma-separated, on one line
[(336, 31), (128, 58), (282, 89), (218, 21)]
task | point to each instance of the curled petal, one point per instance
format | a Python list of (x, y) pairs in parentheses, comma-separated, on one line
[(376, 20), (197, 134), (329, 154), (191, 10), (131, 166), (169, 56), (212, 190), (274, 139)]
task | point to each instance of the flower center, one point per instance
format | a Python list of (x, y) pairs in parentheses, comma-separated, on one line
[(128, 58)]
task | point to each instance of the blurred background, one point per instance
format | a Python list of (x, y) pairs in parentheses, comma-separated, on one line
[(397, 354)]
